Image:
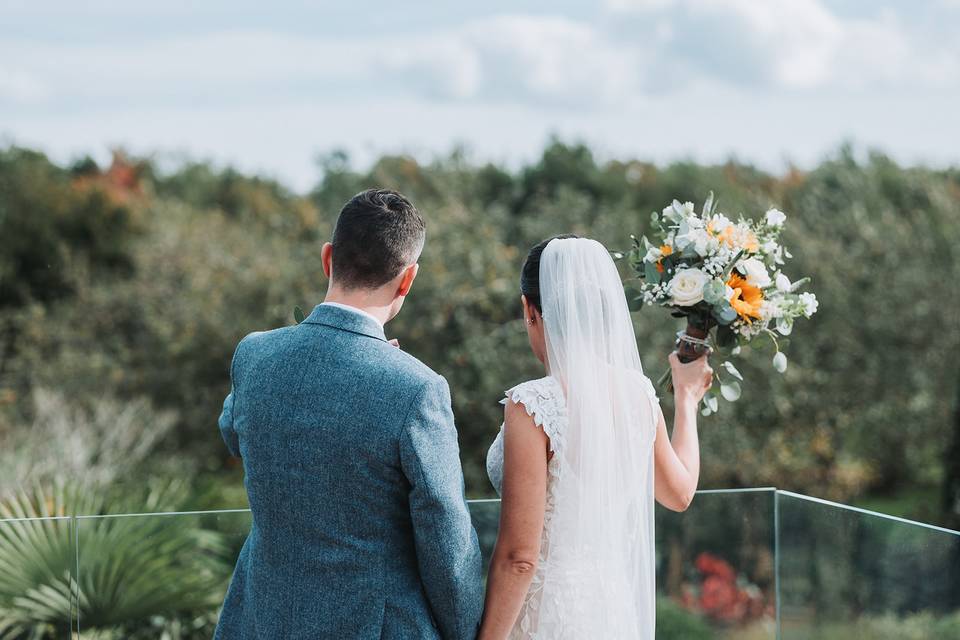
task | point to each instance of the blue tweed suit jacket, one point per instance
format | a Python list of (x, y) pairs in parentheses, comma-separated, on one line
[(360, 527)]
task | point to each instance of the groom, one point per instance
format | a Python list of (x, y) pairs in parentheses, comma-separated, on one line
[(360, 528)]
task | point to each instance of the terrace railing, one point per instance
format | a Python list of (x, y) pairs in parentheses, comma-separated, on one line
[(740, 563)]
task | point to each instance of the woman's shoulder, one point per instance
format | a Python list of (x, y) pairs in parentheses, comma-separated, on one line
[(539, 390), (543, 401)]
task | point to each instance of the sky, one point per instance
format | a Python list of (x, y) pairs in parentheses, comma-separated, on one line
[(268, 87)]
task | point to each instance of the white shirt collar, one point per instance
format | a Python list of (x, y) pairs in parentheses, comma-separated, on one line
[(354, 310)]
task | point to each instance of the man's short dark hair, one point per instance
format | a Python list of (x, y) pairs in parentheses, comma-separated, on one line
[(378, 234)]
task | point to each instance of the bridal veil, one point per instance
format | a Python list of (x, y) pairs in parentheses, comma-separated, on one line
[(599, 576)]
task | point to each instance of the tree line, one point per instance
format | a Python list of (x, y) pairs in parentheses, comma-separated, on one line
[(128, 285)]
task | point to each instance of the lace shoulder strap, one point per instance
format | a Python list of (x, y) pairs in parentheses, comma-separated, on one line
[(545, 403)]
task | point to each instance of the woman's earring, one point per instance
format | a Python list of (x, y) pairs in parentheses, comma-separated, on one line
[(530, 321)]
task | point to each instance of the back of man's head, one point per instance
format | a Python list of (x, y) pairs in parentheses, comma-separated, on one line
[(378, 234)]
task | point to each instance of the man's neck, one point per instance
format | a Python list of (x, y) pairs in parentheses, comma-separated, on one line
[(361, 300)]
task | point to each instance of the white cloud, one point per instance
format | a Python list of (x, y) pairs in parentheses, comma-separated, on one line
[(505, 58), (553, 60), (657, 78), (643, 48), (789, 44)]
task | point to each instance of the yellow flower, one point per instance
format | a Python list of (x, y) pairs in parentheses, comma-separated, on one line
[(665, 250), (746, 299)]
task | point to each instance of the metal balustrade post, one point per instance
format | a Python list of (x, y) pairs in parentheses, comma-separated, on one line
[(75, 589), (776, 560)]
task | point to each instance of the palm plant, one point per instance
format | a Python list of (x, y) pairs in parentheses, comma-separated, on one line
[(114, 573)]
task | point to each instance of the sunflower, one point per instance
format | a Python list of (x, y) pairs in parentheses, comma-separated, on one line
[(746, 299)]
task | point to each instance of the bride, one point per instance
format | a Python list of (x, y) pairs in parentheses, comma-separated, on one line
[(581, 456)]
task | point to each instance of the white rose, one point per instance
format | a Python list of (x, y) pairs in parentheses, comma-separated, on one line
[(755, 271), (810, 303), (686, 288), (775, 217)]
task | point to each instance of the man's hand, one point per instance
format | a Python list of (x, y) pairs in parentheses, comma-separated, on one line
[(394, 342)]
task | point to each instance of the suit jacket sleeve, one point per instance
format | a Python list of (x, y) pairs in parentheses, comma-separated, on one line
[(226, 416), (447, 551)]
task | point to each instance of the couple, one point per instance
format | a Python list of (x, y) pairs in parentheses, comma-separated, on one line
[(360, 527)]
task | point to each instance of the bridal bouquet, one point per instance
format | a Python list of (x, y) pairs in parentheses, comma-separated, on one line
[(726, 278)]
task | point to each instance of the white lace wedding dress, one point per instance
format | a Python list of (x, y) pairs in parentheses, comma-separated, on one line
[(595, 575), (572, 607)]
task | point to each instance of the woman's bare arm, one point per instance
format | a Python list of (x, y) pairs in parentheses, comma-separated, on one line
[(524, 493), (677, 461)]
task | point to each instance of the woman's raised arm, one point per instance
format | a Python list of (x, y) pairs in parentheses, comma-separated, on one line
[(677, 460)]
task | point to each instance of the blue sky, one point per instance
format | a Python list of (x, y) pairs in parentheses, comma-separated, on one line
[(268, 86)]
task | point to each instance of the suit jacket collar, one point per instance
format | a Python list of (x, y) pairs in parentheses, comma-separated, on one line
[(340, 318)]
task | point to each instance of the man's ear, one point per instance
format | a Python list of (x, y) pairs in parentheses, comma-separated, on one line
[(409, 275), (326, 257)]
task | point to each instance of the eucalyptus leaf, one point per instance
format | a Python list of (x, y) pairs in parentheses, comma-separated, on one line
[(689, 251), (730, 391), (715, 291), (785, 326), (732, 370), (780, 361), (298, 314), (650, 273), (725, 314), (712, 402)]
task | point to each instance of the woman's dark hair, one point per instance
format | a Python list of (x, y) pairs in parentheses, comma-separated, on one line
[(378, 233), (530, 274)]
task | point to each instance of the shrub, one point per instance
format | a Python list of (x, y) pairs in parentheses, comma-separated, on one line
[(675, 623), (131, 571)]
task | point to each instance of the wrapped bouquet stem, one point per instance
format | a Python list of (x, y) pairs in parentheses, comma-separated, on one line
[(692, 343), (725, 278)]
